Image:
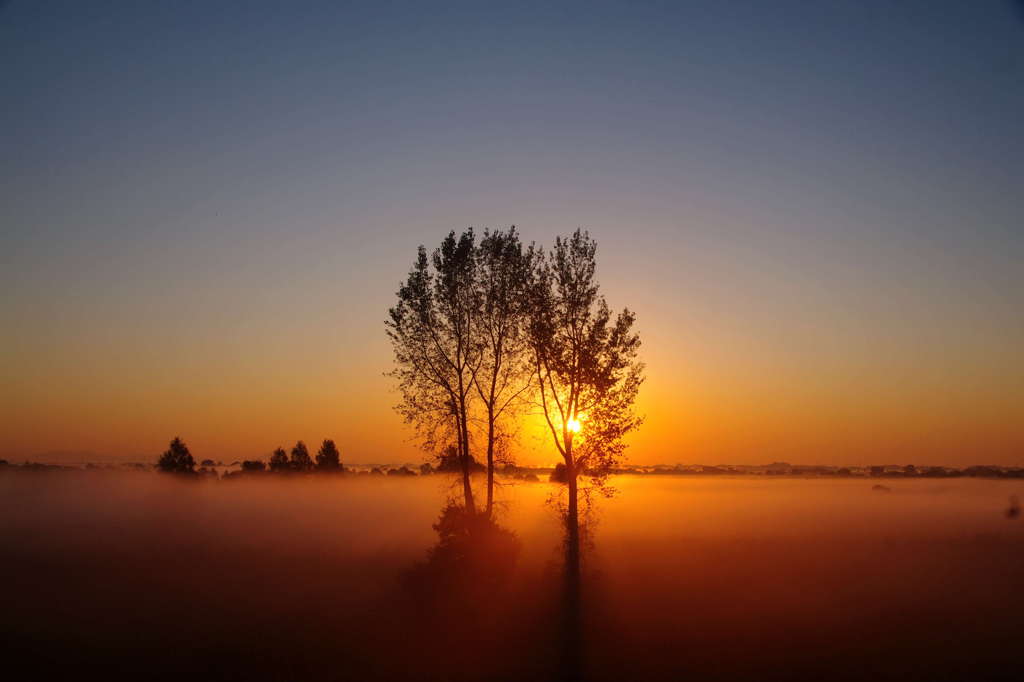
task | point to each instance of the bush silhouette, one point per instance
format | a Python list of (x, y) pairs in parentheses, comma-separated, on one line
[(449, 462), (558, 474)]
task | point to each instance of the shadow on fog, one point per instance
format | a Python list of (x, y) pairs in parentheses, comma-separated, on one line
[(471, 564), (571, 649), (466, 590)]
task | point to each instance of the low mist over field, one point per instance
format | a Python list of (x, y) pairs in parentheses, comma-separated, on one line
[(326, 579)]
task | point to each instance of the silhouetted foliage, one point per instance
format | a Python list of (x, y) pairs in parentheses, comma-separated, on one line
[(502, 280), (177, 459), (459, 337), (585, 366), (436, 357), (585, 362), (301, 461), (279, 460), (327, 457), (253, 465), (489, 322)]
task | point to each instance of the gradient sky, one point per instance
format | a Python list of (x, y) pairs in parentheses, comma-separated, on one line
[(815, 208)]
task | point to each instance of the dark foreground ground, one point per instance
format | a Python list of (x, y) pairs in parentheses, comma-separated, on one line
[(133, 576)]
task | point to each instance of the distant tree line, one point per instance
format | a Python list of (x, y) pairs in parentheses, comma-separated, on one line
[(177, 459)]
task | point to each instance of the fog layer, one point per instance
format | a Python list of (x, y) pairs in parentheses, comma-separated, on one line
[(134, 575)]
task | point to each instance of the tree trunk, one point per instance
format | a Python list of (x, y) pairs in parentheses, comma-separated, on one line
[(490, 459), (467, 487)]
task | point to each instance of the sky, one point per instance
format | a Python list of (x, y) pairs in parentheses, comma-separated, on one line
[(815, 210)]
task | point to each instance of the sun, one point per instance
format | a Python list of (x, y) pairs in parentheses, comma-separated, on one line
[(574, 425)]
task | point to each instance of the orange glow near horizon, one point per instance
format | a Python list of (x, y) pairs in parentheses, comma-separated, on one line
[(95, 401)]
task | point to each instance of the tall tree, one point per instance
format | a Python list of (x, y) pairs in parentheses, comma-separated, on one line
[(503, 278), (585, 367), (301, 460), (177, 459), (279, 460), (327, 457), (431, 330)]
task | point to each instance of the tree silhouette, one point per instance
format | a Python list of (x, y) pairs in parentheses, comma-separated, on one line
[(327, 457), (488, 322), (503, 278), (177, 459), (279, 460), (431, 331), (585, 367), (301, 460)]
